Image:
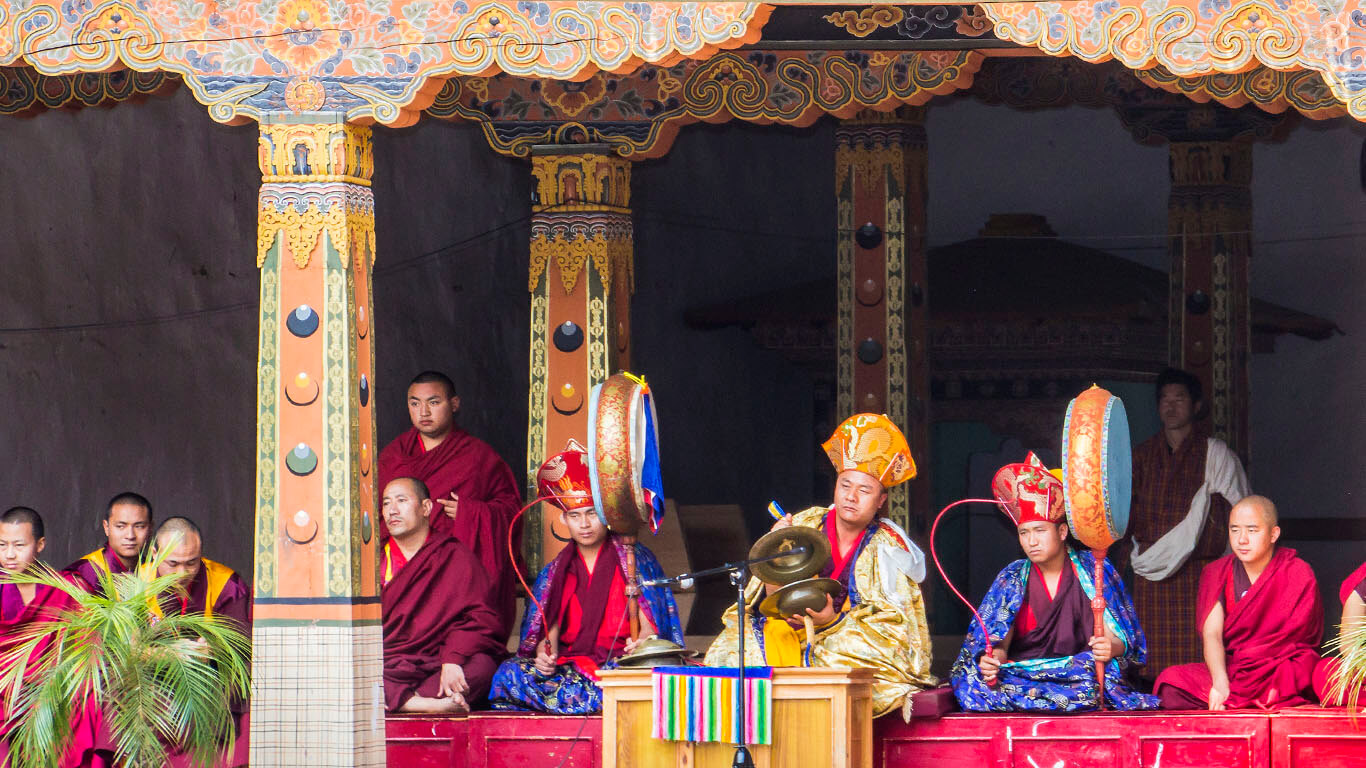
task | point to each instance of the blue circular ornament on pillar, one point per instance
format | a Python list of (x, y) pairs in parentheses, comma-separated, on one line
[(303, 321)]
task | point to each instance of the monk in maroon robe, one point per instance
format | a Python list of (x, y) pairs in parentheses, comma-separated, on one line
[(1261, 620), (474, 492), (443, 637), (212, 589), (21, 605), (127, 524), (1352, 593)]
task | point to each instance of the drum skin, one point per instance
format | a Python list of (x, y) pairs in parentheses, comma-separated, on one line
[(619, 429), (1097, 468)]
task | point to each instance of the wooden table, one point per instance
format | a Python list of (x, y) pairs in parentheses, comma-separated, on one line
[(822, 718)]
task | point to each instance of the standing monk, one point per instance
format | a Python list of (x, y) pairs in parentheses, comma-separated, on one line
[(442, 636), (1261, 619), (1184, 484), (474, 492), (127, 523)]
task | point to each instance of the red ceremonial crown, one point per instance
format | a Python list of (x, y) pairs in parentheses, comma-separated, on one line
[(566, 475), (1029, 493)]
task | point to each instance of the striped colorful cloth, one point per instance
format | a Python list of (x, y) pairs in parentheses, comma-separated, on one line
[(698, 704)]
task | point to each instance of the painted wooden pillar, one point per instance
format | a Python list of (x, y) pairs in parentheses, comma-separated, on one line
[(880, 187), (581, 283), (317, 695), (1210, 227)]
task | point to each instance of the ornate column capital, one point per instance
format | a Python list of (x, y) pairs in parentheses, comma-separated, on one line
[(580, 323)]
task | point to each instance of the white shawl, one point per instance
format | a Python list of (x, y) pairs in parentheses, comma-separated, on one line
[(1223, 475)]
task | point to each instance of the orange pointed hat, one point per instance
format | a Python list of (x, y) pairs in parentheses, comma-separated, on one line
[(871, 443), (566, 475), (1029, 492)]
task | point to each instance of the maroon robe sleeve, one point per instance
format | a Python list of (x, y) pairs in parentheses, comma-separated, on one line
[(234, 602)]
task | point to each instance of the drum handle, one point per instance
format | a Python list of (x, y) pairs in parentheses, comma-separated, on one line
[(632, 586), (1098, 614)]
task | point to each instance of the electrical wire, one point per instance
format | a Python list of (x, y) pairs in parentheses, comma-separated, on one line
[(666, 217)]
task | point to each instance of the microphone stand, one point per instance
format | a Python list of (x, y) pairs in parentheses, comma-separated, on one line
[(736, 572)]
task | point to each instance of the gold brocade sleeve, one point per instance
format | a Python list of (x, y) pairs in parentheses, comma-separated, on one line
[(886, 632)]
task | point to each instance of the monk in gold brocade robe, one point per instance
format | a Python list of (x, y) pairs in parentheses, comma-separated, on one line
[(879, 620)]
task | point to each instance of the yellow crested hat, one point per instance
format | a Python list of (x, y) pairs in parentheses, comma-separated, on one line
[(871, 443)]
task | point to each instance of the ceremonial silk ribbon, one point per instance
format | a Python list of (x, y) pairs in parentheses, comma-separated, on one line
[(698, 704)]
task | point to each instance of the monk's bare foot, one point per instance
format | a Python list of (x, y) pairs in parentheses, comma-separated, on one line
[(422, 705)]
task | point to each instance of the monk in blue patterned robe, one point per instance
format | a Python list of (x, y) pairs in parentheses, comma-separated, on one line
[(578, 623), (1038, 614)]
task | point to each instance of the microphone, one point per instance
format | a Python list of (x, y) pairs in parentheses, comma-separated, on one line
[(683, 582)]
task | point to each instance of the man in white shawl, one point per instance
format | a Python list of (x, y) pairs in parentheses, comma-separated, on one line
[(1185, 483)]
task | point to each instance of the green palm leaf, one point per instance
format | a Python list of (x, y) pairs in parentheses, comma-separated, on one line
[(161, 683), (1350, 645)]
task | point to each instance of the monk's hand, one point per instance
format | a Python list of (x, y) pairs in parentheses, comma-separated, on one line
[(824, 616), (1217, 696), (1102, 649), (545, 659), (631, 644), (783, 522), (990, 665), (449, 506), (452, 681)]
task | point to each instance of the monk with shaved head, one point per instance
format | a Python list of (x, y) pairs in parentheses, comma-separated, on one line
[(1261, 620), (207, 587), (443, 636)]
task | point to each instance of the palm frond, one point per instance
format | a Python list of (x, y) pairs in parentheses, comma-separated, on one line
[(159, 682), (1350, 645)]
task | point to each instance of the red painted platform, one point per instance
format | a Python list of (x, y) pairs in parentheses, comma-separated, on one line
[(1295, 738)]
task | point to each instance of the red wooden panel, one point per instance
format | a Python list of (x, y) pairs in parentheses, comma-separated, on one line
[(1174, 751), (1317, 738), (514, 741), (425, 742), (979, 753), (1056, 753), (1150, 740)]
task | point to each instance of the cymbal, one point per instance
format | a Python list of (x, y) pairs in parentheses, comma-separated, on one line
[(786, 570), (655, 652), (796, 597)]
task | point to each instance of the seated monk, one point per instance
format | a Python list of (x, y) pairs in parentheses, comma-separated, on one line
[(22, 539), (127, 523), (206, 586), (474, 492), (1038, 612), (442, 632), (1261, 620), (1326, 685), (879, 620), (583, 593)]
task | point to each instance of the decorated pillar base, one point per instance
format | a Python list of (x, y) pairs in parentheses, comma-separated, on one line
[(317, 691), (581, 283), (880, 187), (1210, 224)]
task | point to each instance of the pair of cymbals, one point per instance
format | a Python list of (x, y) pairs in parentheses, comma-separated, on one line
[(793, 573), (809, 548)]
